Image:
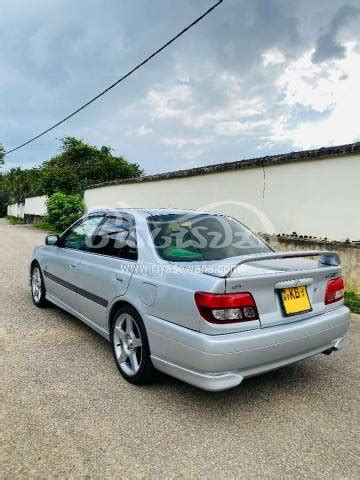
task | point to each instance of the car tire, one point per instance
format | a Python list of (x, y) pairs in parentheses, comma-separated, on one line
[(130, 346), (38, 291)]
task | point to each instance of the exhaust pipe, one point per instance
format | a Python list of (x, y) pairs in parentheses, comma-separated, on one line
[(338, 345)]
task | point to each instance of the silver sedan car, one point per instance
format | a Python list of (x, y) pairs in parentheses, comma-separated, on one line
[(195, 295)]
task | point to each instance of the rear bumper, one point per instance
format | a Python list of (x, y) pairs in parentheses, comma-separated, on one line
[(218, 362)]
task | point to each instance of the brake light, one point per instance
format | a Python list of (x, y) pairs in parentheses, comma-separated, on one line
[(334, 290), (226, 308)]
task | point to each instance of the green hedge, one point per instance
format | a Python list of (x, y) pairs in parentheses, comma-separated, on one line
[(352, 300), (63, 210)]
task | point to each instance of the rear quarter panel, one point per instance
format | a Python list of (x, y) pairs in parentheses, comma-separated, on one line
[(169, 296)]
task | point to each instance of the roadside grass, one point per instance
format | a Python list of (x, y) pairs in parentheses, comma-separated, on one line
[(352, 301), (44, 225), (14, 220)]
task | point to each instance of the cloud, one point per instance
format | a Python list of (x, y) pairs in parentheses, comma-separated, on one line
[(170, 102), (192, 155), (331, 89), (309, 85), (184, 104), (253, 78), (327, 46), (273, 57), (236, 128), (180, 142), (140, 131)]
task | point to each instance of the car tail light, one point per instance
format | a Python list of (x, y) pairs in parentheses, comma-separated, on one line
[(334, 290), (226, 308)]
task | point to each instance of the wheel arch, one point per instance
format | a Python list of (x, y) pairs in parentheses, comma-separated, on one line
[(33, 263), (115, 307)]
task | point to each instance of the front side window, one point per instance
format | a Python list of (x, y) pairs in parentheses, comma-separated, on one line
[(116, 238), (80, 236), (191, 237)]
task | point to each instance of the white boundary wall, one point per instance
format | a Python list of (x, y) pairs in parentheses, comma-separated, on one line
[(318, 197), (31, 206), (36, 206), (16, 210)]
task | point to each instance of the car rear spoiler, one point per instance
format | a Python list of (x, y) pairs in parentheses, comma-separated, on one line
[(326, 258)]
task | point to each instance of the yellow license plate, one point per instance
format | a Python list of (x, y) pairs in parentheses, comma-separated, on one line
[(295, 300)]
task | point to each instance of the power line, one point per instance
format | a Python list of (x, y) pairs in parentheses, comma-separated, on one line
[(147, 59)]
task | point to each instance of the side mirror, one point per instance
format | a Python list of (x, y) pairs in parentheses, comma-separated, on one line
[(52, 239)]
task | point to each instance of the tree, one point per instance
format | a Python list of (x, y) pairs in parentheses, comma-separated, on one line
[(20, 184), (3, 197), (79, 165), (2, 153)]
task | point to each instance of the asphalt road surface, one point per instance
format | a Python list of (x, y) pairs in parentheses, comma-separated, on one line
[(67, 413)]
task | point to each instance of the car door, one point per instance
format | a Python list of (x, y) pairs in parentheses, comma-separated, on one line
[(106, 269), (61, 269)]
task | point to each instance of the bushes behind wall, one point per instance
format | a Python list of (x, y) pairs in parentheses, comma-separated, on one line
[(63, 210), (70, 171)]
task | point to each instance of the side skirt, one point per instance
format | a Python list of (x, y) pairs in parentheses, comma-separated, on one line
[(104, 333)]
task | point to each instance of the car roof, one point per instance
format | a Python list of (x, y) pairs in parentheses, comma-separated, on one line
[(151, 211)]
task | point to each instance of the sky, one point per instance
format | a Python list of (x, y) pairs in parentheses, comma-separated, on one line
[(254, 78)]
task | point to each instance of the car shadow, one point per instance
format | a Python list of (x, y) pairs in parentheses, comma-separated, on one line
[(288, 380)]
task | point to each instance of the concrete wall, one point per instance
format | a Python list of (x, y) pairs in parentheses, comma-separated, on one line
[(16, 210), (36, 206), (320, 197), (33, 207), (11, 210), (349, 255)]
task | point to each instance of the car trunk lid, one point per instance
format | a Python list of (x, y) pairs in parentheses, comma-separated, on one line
[(287, 287)]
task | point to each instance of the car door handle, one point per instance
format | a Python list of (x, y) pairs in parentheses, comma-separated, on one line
[(119, 278), (72, 266)]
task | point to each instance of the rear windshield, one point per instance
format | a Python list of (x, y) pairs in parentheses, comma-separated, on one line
[(186, 238)]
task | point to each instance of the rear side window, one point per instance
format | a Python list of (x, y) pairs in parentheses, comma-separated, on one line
[(116, 238), (202, 237)]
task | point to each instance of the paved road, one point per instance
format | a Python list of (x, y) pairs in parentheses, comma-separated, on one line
[(68, 414)]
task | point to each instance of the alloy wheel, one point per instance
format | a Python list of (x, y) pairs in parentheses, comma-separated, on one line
[(128, 344), (36, 284)]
